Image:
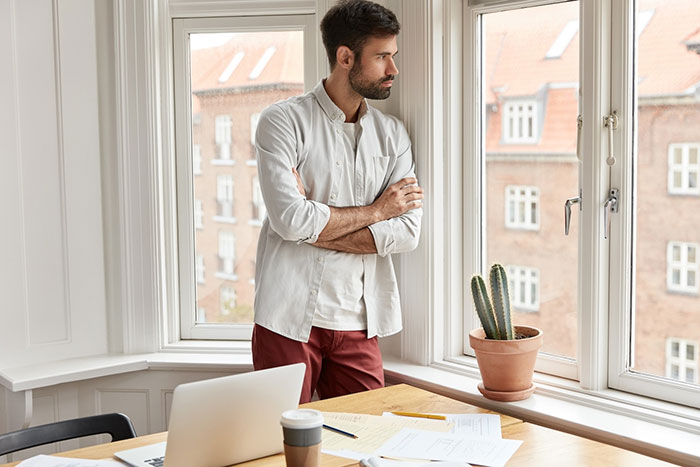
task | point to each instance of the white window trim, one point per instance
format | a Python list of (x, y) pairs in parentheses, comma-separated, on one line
[(684, 168), (181, 318), (532, 194), (510, 110), (681, 360), (683, 266), (514, 273)]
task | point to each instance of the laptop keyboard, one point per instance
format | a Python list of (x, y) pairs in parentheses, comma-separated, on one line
[(155, 462)]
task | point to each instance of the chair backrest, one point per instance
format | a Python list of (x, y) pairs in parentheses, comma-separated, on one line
[(115, 424)]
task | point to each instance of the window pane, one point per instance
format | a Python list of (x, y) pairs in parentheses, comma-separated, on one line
[(545, 92), (666, 64), (690, 352), (234, 77)]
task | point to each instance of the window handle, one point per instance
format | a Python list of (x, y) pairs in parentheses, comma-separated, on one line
[(610, 122), (567, 210), (610, 206)]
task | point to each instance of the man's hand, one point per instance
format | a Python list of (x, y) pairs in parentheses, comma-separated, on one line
[(399, 198), (300, 186)]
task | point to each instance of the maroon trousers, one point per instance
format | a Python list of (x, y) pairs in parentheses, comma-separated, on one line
[(337, 362)]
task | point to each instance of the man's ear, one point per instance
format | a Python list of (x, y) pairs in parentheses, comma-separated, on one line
[(344, 57)]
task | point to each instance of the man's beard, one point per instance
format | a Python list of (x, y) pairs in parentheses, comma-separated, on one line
[(368, 89)]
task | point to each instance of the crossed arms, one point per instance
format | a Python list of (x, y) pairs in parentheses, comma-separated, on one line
[(347, 229)]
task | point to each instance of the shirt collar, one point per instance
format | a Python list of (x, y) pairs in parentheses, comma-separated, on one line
[(329, 107)]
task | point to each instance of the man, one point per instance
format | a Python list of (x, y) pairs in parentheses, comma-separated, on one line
[(338, 182)]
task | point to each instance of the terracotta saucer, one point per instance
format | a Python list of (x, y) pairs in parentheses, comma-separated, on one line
[(506, 396)]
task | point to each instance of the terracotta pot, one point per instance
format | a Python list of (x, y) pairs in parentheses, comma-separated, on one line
[(506, 366)]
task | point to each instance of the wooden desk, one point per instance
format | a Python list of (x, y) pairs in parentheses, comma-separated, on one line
[(541, 446)]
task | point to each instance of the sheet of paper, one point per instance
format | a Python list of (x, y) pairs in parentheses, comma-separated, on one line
[(429, 445), (55, 461), (372, 430), (471, 424), (380, 462)]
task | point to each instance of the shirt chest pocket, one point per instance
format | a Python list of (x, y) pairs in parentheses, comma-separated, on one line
[(378, 174)]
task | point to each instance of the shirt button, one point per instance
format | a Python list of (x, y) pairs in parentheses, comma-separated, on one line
[(320, 259), (338, 163), (337, 130), (333, 196), (313, 292)]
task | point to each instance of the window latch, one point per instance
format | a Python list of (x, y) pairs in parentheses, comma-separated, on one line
[(609, 207), (610, 122), (567, 210)]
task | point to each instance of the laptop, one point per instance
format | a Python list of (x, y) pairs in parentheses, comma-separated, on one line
[(224, 421)]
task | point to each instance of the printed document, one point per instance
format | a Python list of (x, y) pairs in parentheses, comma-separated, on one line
[(55, 461), (429, 445), (471, 424)]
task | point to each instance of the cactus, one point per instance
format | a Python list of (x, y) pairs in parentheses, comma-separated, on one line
[(495, 319)]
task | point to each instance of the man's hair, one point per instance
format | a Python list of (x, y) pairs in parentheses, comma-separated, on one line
[(352, 22)]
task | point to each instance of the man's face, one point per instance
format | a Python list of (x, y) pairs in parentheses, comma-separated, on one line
[(374, 71)]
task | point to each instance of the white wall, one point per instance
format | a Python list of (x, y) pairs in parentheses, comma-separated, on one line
[(51, 261)]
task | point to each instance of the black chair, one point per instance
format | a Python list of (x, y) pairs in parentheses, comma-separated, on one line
[(115, 424)]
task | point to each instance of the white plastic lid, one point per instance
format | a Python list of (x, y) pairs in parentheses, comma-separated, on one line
[(301, 418)]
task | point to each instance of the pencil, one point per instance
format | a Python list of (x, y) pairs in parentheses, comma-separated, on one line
[(420, 415), (338, 430)]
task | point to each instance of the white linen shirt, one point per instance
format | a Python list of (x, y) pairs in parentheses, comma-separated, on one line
[(305, 132)]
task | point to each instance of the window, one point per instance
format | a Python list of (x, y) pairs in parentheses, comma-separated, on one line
[(228, 300), (226, 70), (522, 207), (683, 169), (224, 198), (227, 255), (682, 360), (200, 269), (253, 128), (196, 159), (682, 267), (524, 285), (520, 122), (223, 137), (258, 204), (198, 214)]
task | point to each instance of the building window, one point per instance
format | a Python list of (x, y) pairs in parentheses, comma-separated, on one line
[(683, 169), (520, 122), (682, 360), (199, 270), (196, 159), (253, 128), (227, 255), (224, 198), (223, 137), (522, 207), (198, 214), (227, 296), (524, 285), (682, 267), (258, 204)]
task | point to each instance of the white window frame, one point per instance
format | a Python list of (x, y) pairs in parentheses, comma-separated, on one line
[(685, 168), (198, 214), (521, 280), (182, 318), (196, 159), (681, 361), (200, 270), (683, 267), (514, 198), (516, 113), (225, 203), (226, 293), (223, 128), (257, 204), (605, 284)]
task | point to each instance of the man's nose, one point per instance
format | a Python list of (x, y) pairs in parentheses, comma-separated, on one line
[(393, 69)]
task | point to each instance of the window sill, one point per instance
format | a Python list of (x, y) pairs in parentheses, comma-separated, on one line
[(658, 429), (223, 162), (225, 276), (225, 220)]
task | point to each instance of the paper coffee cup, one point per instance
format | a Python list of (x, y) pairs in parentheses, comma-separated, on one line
[(302, 437)]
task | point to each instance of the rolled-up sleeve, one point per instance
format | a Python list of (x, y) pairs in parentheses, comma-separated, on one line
[(291, 216), (399, 234)]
